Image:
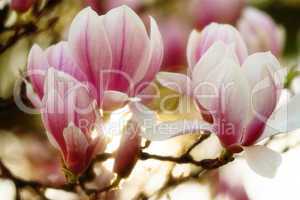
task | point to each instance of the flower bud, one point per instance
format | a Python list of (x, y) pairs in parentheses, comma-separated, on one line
[(128, 151), (260, 32)]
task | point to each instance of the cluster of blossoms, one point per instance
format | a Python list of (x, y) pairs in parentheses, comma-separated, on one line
[(109, 60)]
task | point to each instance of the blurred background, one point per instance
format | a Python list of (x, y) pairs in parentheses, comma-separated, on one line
[(266, 25)]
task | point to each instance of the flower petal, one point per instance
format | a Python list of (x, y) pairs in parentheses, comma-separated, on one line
[(154, 61), (211, 61), (129, 44), (60, 58), (175, 81), (76, 149), (225, 94), (193, 43), (37, 68), (284, 120), (113, 100), (261, 69), (90, 47), (262, 160)]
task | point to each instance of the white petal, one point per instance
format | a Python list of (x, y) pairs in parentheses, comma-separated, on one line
[(192, 45), (142, 115), (262, 160), (285, 119), (113, 100), (175, 81), (211, 60)]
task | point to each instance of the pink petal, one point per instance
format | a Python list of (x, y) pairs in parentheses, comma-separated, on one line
[(55, 108), (261, 69), (225, 95), (146, 75), (60, 58), (90, 47), (129, 44), (76, 149), (128, 151), (36, 69)]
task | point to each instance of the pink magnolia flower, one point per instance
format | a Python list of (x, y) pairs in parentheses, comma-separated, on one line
[(115, 51), (241, 99), (221, 11), (21, 5), (260, 32), (107, 59), (199, 43), (70, 118)]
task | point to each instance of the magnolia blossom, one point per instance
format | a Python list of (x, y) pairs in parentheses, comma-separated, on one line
[(70, 118), (199, 43), (21, 5), (115, 52), (221, 11), (260, 32), (107, 60), (241, 100)]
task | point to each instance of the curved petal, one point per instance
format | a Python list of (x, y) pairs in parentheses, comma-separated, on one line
[(128, 150), (211, 60), (260, 70), (225, 94), (193, 43), (76, 149), (283, 120), (54, 109), (129, 44), (90, 47), (144, 76), (175, 81), (37, 68), (113, 100), (262, 160), (60, 58)]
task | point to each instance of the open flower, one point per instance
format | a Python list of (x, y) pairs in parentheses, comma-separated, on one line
[(106, 60), (71, 120), (260, 32), (115, 51), (241, 100)]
